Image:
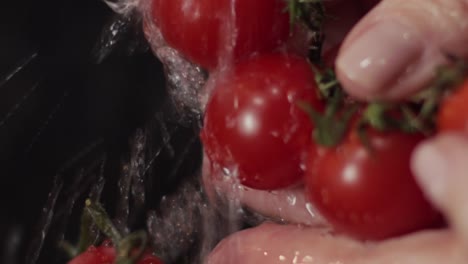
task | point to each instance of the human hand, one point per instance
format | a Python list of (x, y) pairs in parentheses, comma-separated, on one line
[(390, 53)]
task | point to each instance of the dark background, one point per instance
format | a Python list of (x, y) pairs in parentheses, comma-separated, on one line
[(79, 100)]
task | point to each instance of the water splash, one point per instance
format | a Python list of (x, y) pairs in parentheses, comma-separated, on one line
[(122, 7), (17, 69), (44, 222), (18, 105), (137, 167), (185, 80), (175, 227), (113, 33), (48, 120), (24, 64), (165, 144)]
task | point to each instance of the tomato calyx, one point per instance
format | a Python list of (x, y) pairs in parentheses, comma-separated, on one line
[(447, 80), (129, 248), (384, 116), (125, 245), (327, 82), (100, 218), (369, 146), (331, 126)]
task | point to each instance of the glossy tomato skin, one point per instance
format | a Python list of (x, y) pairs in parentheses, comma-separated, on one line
[(209, 31), (105, 254), (252, 123), (453, 113), (149, 259), (370, 195), (95, 255)]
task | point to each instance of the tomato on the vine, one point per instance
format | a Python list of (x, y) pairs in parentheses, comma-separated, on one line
[(105, 254), (453, 113), (209, 31), (253, 124), (368, 191), (95, 255)]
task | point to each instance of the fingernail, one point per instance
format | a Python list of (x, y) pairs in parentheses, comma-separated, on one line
[(378, 56), (430, 168)]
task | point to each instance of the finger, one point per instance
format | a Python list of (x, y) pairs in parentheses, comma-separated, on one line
[(288, 205), (270, 243), (441, 168), (394, 50)]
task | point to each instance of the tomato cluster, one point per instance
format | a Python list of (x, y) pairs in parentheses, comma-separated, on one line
[(255, 127), (211, 32)]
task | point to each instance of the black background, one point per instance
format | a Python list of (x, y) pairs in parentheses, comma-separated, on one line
[(78, 101)]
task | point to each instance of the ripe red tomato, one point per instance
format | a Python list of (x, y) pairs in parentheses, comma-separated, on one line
[(105, 254), (370, 194), (95, 255), (453, 113), (207, 31), (252, 122)]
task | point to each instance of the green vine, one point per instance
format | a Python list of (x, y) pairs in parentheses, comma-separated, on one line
[(129, 248), (312, 14)]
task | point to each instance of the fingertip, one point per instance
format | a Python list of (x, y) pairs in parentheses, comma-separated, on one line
[(370, 64), (441, 162), (395, 49), (430, 167), (441, 168), (246, 246)]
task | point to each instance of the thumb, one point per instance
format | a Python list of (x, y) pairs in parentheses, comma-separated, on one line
[(394, 50), (441, 168)]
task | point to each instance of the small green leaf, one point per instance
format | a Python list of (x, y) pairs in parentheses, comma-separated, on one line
[(329, 127), (312, 14), (447, 78), (102, 221), (125, 248), (375, 115), (85, 232)]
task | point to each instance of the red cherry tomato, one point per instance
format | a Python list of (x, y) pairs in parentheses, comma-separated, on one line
[(453, 113), (149, 259), (253, 124), (105, 254), (370, 194), (95, 255), (209, 31)]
